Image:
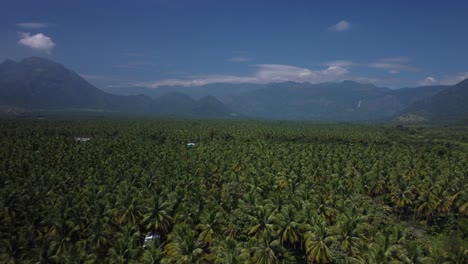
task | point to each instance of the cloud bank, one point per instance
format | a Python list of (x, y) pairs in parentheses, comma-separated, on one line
[(394, 65), (265, 73), (331, 71), (37, 41)]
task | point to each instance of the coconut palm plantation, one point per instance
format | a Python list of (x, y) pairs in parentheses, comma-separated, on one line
[(233, 132), (243, 192)]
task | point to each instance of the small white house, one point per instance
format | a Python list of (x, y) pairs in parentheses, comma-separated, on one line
[(150, 237), (82, 139)]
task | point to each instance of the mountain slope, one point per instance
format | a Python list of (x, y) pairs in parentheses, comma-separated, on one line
[(326, 101), (344, 101), (210, 106), (41, 83), (180, 104), (38, 83), (449, 104), (395, 101)]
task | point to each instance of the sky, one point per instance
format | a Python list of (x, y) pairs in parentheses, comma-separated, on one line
[(150, 43)]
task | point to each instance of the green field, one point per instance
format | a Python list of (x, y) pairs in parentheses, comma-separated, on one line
[(246, 192)]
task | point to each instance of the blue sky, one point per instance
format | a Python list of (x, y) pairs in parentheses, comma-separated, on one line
[(159, 42)]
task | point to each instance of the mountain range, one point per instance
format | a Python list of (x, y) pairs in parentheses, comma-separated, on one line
[(343, 101), (40, 84)]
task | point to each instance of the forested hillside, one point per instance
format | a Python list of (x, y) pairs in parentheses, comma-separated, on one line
[(90, 191), (449, 104)]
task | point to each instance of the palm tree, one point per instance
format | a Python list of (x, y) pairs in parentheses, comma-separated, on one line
[(426, 204), (229, 251), (183, 247), (125, 247), (416, 253), (157, 218), (385, 249), (324, 209), (463, 206), (129, 211), (12, 250), (98, 238), (210, 226), (264, 220), (151, 255), (348, 233), (74, 254), (459, 256), (267, 250), (317, 244), (11, 208), (288, 224), (402, 196)]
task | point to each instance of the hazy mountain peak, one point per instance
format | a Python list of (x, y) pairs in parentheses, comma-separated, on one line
[(37, 60), (43, 63), (8, 61)]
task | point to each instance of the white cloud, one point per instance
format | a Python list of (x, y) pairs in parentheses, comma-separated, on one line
[(394, 65), (37, 41), (281, 73), (341, 63), (240, 59), (265, 73), (340, 26), (202, 80), (33, 25), (428, 81)]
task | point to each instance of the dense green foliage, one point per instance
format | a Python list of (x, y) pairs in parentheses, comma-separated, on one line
[(247, 192)]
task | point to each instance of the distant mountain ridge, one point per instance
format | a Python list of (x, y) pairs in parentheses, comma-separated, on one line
[(222, 91), (343, 101), (41, 84), (38, 83)]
